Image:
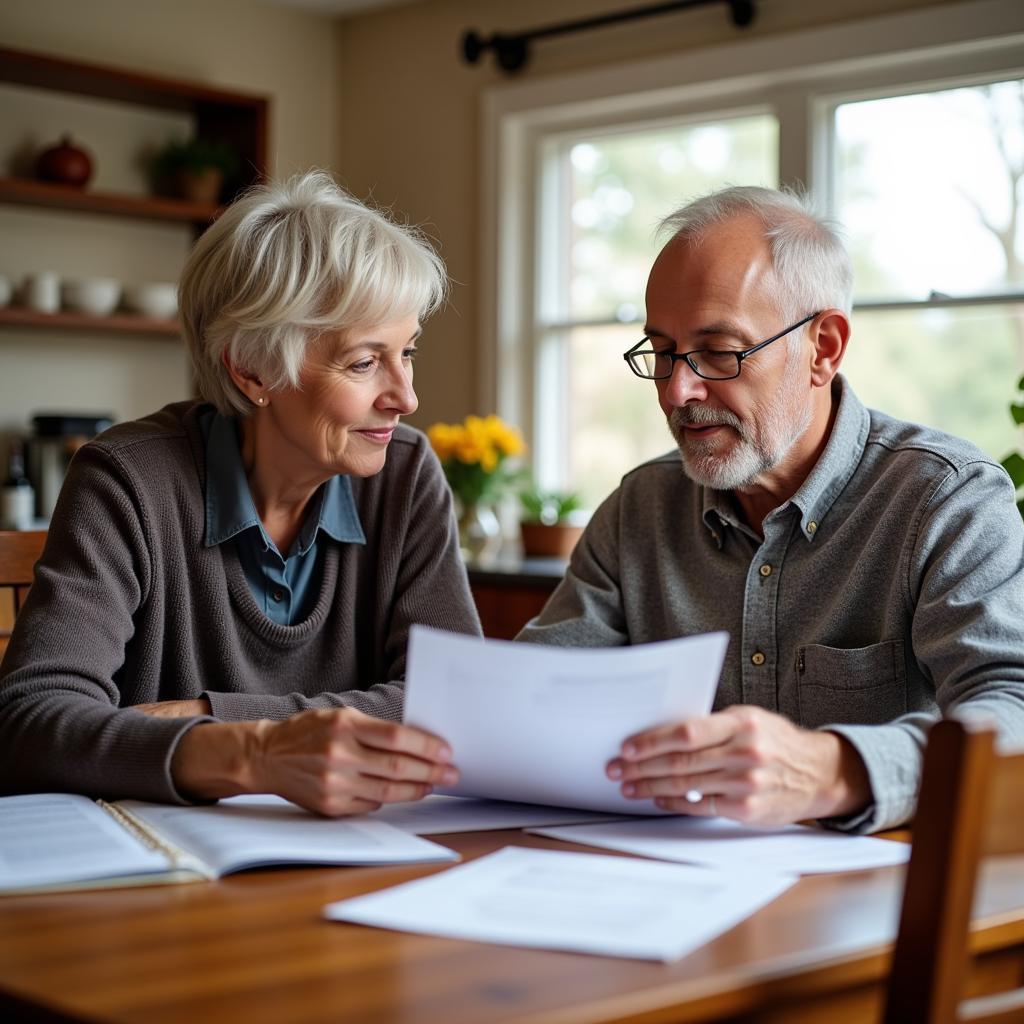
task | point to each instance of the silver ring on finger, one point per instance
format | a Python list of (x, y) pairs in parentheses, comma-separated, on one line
[(711, 806)]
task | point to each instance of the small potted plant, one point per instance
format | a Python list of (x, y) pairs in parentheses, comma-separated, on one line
[(194, 169), (547, 524)]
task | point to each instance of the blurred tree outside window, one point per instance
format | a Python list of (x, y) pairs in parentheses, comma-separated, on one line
[(930, 190)]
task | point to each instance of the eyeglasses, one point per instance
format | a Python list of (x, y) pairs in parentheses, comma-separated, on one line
[(709, 363)]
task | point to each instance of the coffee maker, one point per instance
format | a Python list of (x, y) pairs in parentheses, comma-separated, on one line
[(55, 438)]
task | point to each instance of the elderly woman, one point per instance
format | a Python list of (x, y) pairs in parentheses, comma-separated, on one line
[(227, 588)]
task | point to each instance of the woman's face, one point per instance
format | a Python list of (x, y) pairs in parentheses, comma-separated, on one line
[(355, 385)]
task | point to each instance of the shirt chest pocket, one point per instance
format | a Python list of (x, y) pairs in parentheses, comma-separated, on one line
[(860, 685)]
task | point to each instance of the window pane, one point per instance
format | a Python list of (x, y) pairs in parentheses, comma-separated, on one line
[(929, 189), (622, 185), (614, 421), (956, 369)]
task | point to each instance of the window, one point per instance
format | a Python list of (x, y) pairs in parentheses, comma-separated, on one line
[(930, 187), (910, 132)]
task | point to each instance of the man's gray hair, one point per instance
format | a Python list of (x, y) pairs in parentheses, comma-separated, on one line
[(809, 256), (287, 262)]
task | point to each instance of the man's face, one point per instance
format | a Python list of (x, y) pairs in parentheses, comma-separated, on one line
[(718, 295)]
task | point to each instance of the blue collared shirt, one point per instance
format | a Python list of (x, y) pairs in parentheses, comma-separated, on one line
[(285, 587)]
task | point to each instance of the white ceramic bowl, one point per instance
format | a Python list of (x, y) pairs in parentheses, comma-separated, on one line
[(97, 296), (158, 300)]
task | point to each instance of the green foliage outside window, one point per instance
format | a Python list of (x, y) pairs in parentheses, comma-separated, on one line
[(1014, 462)]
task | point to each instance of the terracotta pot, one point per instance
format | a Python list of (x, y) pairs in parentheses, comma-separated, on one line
[(64, 164), (556, 541), (200, 186)]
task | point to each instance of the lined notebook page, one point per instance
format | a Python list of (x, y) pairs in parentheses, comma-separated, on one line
[(49, 838)]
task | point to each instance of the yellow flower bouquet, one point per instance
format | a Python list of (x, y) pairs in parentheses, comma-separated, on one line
[(475, 455)]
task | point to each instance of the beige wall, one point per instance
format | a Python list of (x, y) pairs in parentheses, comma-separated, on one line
[(282, 53), (410, 130)]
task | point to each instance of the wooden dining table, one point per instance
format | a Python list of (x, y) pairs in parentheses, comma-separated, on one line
[(254, 947)]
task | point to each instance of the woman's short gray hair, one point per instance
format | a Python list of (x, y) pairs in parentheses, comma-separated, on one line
[(287, 262), (812, 266)]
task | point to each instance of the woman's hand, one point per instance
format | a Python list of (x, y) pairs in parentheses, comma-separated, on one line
[(333, 762)]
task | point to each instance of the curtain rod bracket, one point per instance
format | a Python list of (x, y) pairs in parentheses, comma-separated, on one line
[(512, 50)]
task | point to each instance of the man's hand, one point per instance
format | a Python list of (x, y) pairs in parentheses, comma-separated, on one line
[(333, 762), (176, 708), (758, 767)]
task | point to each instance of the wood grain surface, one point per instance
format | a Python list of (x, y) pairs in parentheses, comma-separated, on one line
[(253, 947)]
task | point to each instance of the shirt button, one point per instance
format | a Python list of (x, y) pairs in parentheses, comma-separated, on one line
[(757, 658), (766, 570), (276, 595), (812, 526)]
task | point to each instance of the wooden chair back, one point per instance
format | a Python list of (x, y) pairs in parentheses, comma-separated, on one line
[(19, 552), (971, 806)]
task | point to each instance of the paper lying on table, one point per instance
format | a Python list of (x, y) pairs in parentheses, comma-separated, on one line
[(527, 722), (437, 814), (587, 903), (722, 843)]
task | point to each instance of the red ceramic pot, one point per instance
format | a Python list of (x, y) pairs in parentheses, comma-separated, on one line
[(64, 164)]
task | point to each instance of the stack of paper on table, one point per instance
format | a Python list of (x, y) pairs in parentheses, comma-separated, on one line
[(721, 843), (539, 724), (587, 903), (59, 841)]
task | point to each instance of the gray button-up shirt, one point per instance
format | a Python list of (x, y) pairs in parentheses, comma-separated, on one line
[(887, 590)]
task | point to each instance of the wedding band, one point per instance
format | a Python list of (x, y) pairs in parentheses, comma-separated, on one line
[(711, 806), (693, 796)]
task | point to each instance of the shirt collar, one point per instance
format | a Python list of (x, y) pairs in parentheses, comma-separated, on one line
[(824, 483), (230, 508), (839, 460)]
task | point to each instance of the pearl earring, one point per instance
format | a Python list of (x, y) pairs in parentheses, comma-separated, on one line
[(260, 400)]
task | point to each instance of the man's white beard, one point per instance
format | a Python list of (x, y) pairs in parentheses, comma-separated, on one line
[(748, 459)]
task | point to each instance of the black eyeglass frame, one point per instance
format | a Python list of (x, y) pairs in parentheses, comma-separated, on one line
[(686, 356)]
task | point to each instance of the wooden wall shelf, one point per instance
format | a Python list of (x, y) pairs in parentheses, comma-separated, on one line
[(118, 323), (24, 192), (239, 119), (236, 119)]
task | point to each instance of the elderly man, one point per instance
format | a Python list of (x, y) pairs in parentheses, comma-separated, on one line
[(868, 571)]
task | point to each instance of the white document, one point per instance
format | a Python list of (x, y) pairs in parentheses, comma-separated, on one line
[(721, 843), (587, 903), (437, 814), (532, 723)]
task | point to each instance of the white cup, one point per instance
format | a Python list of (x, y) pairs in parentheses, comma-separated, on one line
[(42, 292)]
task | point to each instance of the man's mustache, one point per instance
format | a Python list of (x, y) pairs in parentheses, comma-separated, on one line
[(702, 416)]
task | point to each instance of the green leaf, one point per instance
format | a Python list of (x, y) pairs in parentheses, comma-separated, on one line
[(1017, 412), (1014, 465), (1020, 384)]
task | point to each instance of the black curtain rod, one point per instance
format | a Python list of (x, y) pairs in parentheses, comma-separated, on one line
[(513, 50)]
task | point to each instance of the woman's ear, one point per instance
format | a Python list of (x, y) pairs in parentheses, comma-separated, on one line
[(830, 333), (247, 382)]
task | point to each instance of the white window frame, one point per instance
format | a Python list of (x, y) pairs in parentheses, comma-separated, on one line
[(800, 77)]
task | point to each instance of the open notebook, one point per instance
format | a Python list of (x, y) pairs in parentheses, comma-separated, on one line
[(61, 841)]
